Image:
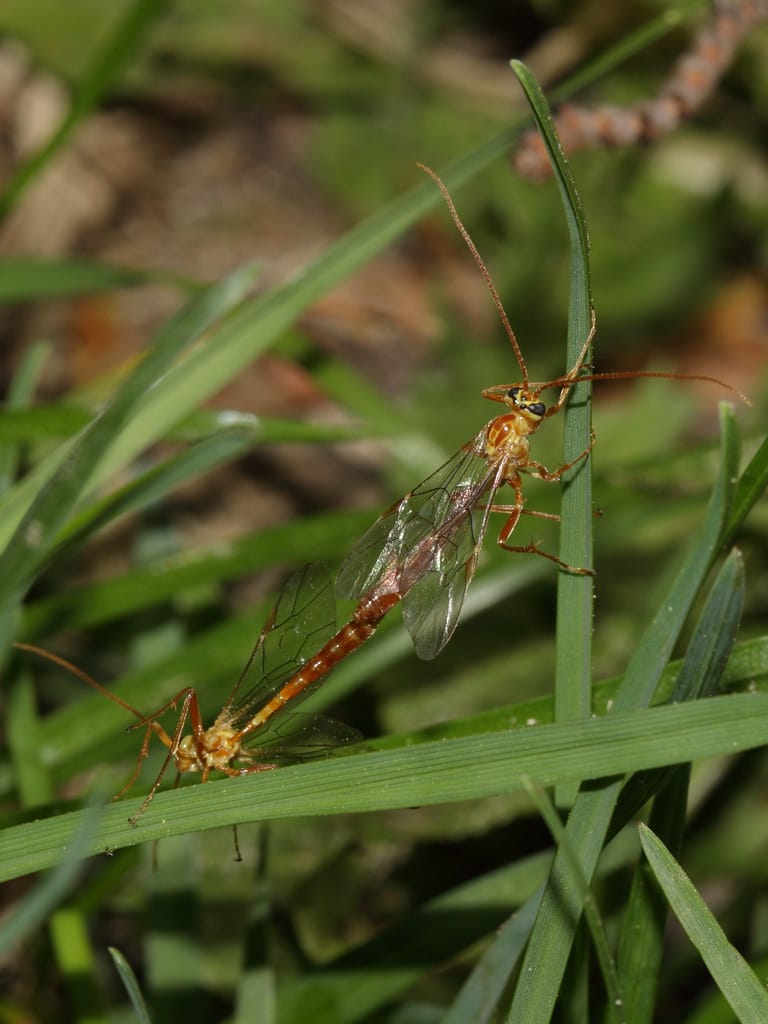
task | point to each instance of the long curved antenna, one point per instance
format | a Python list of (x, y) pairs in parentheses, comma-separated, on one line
[(630, 374), (483, 269), (80, 674)]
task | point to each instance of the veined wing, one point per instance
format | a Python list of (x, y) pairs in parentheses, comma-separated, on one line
[(301, 622), (297, 737), (432, 604), (425, 547)]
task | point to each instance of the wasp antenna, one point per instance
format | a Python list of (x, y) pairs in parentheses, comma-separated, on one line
[(482, 268), (630, 374), (79, 673)]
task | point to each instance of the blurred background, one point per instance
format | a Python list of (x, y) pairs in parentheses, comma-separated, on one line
[(252, 129)]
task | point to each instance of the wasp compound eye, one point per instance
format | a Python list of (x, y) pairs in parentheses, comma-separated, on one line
[(537, 408)]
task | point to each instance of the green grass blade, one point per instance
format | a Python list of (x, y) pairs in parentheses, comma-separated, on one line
[(629, 46), (253, 328), (642, 931), (590, 818), (464, 768), (43, 507), (750, 488), (38, 905), (732, 974), (20, 392), (575, 597), (154, 485), (30, 280), (640, 947), (480, 994), (131, 985), (315, 538), (33, 784)]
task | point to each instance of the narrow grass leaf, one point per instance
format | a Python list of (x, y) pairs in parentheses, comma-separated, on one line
[(40, 902), (590, 819), (465, 768), (575, 597), (253, 328), (640, 947), (700, 673), (154, 485), (480, 994), (731, 972), (21, 390), (30, 280), (22, 725), (597, 931), (641, 938), (315, 538), (749, 490), (256, 989), (629, 46), (40, 507), (173, 939), (43, 422), (131, 986)]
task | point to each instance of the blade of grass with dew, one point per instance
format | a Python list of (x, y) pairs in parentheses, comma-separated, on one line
[(46, 509), (465, 768), (588, 823), (575, 596), (107, 64), (734, 977)]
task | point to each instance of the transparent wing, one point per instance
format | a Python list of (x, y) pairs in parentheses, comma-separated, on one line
[(428, 545), (432, 604), (301, 622), (296, 738)]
